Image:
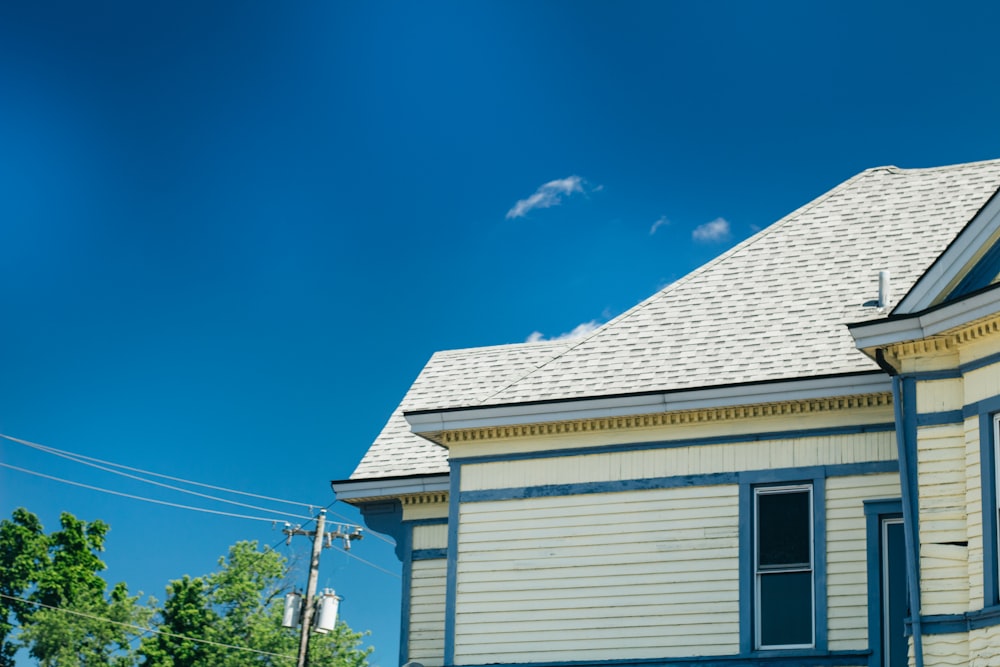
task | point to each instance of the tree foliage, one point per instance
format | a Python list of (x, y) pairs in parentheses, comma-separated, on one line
[(241, 605), (55, 604), (55, 593)]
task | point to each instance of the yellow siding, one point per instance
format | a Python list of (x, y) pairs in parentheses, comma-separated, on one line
[(636, 574), (974, 513), (982, 383), (939, 396), (984, 647), (846, 559), (425, 511), (946, 650), (427, 601), (941, 461), (430, 537), (669, 462)]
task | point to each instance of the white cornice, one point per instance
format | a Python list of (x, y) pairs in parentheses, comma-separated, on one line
[(644, 404), (389, 487), (935, 322)]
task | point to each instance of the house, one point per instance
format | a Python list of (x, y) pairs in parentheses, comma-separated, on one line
[(788, 457)]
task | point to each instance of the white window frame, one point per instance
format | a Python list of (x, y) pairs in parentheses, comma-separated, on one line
[(758, 573)]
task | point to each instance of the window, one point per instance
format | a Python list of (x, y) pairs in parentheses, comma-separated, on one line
[(783, 567)]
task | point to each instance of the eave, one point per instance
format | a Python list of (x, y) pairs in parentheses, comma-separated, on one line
[(363, 490), (432, 423)]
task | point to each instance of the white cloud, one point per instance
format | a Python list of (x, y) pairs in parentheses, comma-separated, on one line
[(712, 232), (579, 331), (550, 194), (661, 222)]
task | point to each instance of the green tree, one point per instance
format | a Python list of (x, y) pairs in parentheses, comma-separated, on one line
[(23, 556), (240, 605), (69, 626)]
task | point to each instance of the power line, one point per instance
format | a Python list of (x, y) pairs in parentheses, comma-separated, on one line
[(370, 564), (68, 454), (134, 497), (148, 630), (80, 459)]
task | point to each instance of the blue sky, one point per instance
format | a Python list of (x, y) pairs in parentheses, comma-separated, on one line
[(232, 233)]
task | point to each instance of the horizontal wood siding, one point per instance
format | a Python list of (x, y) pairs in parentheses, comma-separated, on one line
[(670, 462), (944, 578), (636, 574), (947, 650), (427, 600), (846, 556), (430, 537), (984, 647), (974, 513)]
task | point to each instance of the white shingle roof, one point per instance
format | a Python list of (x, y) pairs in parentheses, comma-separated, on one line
[(772, 308)]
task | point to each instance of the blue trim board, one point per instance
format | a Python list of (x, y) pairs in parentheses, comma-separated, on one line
[(940, 418), (954, 373), (904, 402), (688, 442), (404, 620), (428, 554), (947, 624), (615, 486), (786, 659), (875, 512), (988, 360), (451, 581), (980, 275), (987, 471)]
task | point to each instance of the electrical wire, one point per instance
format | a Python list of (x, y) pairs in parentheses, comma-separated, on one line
[(368, 563), (53, 450), (148, 630), (134, 497), (76, 459)]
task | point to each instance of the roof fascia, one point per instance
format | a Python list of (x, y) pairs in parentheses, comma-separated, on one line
[(389, 487), (880, 333), (635, 404), (947, 270)]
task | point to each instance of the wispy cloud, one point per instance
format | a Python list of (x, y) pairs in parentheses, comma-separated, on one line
[(661, 222), (549, 194), (712, 232), (579, 331)]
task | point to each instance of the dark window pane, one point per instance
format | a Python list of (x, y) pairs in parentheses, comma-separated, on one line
[(786, 615), (783, 529)]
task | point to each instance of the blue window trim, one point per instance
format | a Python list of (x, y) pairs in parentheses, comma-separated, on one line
[(748, 481), (875, 512), (986, 410)]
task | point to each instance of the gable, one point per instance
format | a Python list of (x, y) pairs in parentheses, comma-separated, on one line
[(970, 263)]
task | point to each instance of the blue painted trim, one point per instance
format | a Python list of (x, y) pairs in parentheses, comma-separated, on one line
[(428, 554), (942, 374), (764, 478), (988, 360), (987, 470), (991, 404), (765, 659), (688, 442), (875, 511), (427, 522), (386, 517), (980, 275), (905, 408), (404, 620), (581, 488), (940, 418), (947, 624), (616, 486), (451, 581)]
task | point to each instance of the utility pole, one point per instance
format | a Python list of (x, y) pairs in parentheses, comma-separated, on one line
[(320, 535)]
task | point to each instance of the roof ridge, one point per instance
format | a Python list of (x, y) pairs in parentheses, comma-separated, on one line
[(945, 167), (686, 278)]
